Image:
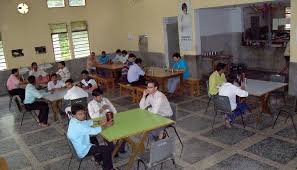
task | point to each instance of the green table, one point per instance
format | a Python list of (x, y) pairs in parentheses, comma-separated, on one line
[(130, 123)]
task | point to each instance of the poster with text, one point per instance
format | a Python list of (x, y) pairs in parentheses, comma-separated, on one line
[(185, 25)]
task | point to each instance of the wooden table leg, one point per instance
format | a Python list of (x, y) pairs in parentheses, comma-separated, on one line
[(264, 108), (137, 147), (117, 147), (264, 104), (181, 82), (163, 85)]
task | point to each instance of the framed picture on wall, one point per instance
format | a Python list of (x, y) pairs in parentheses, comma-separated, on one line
[(40, 50), (17, 53)]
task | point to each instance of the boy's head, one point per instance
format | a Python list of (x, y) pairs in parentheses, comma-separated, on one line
[(97, 94), (176, 57), (54, 77), (34, 66), (78, 111), (118, 52), (85, 74), (69, 83), (221, 67), (124, 52), (138, 61), (232, 79), (93, 54), (131, 57), (61, 64), (31, 79), (15, 71), (103, 53)]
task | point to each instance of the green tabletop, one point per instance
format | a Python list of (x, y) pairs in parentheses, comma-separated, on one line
[(133, 122)]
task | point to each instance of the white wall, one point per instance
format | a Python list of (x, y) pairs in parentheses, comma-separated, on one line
[(219, 21)]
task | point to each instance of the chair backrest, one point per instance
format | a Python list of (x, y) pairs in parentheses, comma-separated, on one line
[(291, 102), (173, 108), (72, 149), (21, 107), (162, 150), (83, 101), (222, 104), (277, 78), (207, 88)]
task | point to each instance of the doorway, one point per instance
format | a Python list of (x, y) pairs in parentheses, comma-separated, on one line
[(171, 38)]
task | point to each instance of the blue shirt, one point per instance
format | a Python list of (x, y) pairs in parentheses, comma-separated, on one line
[(103, 59), (31, 94), (79, 134), (182, 64)]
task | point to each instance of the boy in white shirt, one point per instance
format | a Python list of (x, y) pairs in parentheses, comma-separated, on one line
[(39, 74), (157, 103), (87, 82), (232, 91), (52, 86), (99, 105), (136, 74), (74, 92), (63, 71), (119, 58)]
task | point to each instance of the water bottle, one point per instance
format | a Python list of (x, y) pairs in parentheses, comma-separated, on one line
[(165, 68)]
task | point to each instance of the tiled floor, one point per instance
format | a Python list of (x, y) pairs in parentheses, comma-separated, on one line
[(253, 147)]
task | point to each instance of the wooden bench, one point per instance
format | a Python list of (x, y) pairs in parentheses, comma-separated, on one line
[(3, 164), (194, 86), (106, 82), (128, 90), (139, 93)]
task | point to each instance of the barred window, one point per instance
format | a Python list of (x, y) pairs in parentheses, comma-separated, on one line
[(80, 39), (55, 3), (60, 41), (288, 15), (77, 2), (2, 57)]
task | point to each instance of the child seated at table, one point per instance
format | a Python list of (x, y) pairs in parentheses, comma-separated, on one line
[(82, 135), (98, 107), (39, 74), (87, 82), (52, 86)]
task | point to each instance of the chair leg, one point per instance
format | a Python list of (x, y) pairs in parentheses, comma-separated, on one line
[(138, 163), (22, 119), (207, 104), (214, 119), (292, 119), (177, 135), (276, 119), (9, 104), (79, 164), (173, 162), (242, 120), (162, 165), (70, 161)]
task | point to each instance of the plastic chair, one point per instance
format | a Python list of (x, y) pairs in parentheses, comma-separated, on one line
[(209, 95), (159, 152), (222, 105), (289, 108)]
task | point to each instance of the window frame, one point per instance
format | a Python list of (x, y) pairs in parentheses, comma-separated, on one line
[(77, 5), (55, 7)]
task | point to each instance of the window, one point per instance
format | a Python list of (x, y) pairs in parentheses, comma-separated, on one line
[(55, 3), (60, 42), (2, 57), (77, 2), (80, 39), (288, 16)]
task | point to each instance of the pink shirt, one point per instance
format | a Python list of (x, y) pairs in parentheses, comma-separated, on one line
[(12, 82)]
